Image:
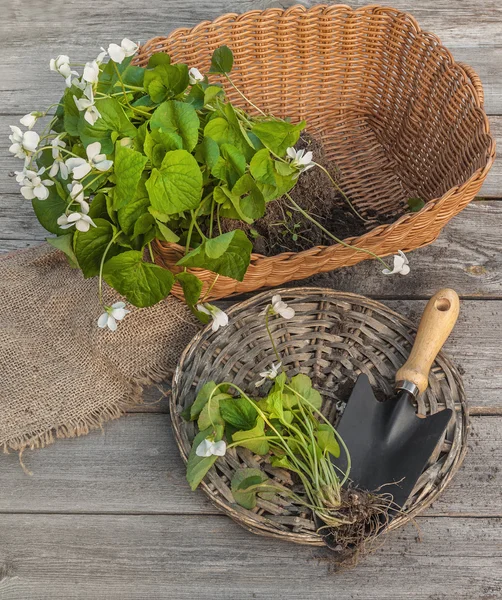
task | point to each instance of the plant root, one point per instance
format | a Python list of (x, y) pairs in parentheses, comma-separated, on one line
[(352, 530)]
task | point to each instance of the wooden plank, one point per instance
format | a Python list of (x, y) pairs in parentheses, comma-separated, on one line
[(471, 30), (8, 185), (211, 558), (135, 467), (466, 256)]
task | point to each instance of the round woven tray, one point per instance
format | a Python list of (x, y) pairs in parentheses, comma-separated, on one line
[(333, 337), (399, 117)]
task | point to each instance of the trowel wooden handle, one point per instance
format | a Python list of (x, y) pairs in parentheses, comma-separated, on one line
[(439, 318)]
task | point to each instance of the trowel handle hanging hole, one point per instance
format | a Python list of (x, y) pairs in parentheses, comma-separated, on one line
[(442, 304)]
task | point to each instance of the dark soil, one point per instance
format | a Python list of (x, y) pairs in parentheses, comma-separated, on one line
[(284, 229)]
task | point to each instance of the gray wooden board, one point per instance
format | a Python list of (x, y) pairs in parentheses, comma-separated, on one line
[(184, 550), (184, 557), (134, 467), (466, 255)]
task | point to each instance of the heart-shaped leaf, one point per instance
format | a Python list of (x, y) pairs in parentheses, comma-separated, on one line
[(143, 284), (177, 185)]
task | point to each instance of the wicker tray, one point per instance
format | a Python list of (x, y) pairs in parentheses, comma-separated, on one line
[(394, 110), (333, 337)]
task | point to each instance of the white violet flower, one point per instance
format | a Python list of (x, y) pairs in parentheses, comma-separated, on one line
[(23, 143), (86, 103), (34, 187), (21, 175), (101, 56), (95, 160), (220, 318), (61, 65), (278, 307), (269, 374), (300, 159), (76, 190), (115, 312), (81, 221), (58, 166), (30, 119), (209, 447), (194, 76), (118, 53), (91, 72), (401, 265)]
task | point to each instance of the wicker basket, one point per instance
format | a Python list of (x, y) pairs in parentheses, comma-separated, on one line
[(396, 113), (333, 338)]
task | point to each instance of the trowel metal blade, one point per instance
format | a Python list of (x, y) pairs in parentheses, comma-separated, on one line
[(389, 445)]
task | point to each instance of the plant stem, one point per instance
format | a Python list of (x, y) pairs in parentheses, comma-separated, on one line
[(152, 258), (100, 280), (339, 189), (210, 288), (138, 110), (271, 337), (328, 233), (243, 95)]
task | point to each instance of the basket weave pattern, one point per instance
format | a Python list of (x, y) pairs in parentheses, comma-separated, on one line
[(333, 338), (396, 113)]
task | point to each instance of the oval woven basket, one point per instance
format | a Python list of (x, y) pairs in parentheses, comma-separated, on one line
[(395, 112), (333, 337)]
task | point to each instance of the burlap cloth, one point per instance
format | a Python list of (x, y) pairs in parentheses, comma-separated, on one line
[(60, 375)]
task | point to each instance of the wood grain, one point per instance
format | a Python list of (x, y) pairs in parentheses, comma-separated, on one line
[(135, 467), (210, 558)]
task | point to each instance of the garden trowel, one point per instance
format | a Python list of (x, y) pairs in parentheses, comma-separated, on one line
[(389, 444)]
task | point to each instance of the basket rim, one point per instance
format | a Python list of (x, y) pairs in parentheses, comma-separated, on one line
[(315, 539), (458, 66)]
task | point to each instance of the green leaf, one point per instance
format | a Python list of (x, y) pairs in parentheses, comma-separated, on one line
[(65, 244), (242, 482), (166, 81), (238, 412), (262, 167), (230, 166), (222, 60), (48, 211), (278, 135), (302, 384), (192, 287), (180, 118), (144, 223), (144, 284), (228, 254), (71, 113), (201, 399), (91, 245), (247, 439), (207, 152), (326, 439), (131, 212), (212, 92), (98, 208), (415, 204), (198, 466), (128, 166), (160, 58), (247, 200), (210, 414), (167, 234), (113, 119), (177, 185)]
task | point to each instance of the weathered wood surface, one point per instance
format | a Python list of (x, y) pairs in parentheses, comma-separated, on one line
[(466, 256), (111, 516), (134, 467), (186, 558)]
